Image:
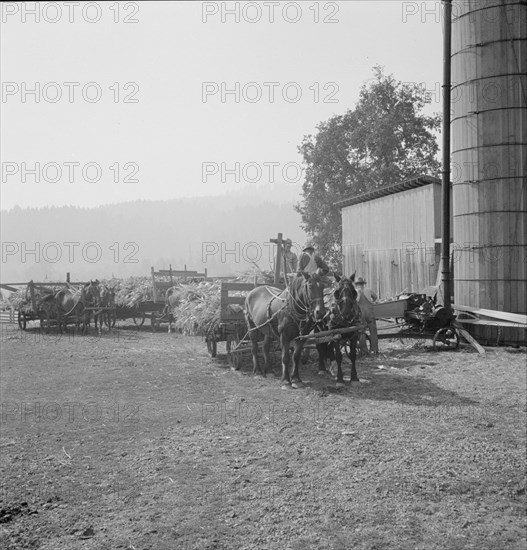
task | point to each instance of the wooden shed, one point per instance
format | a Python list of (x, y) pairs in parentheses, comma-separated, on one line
[(392, 236)]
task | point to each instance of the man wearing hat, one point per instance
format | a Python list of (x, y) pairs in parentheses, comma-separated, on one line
[(290, 258), (366, 297), (312, 263)]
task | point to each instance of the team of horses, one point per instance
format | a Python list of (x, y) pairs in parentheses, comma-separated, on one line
[(289, 315), (78, 305)]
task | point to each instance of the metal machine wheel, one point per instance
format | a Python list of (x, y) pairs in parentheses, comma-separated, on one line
[(446, 338)]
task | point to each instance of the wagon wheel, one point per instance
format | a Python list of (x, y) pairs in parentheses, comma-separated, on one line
[(212, 344), (154, 322), (235, 359), (446, 338), (44, 322), (22, 322), (139, 319), (231, 344)]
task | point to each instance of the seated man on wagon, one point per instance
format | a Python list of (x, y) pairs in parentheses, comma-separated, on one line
[(310, 262)]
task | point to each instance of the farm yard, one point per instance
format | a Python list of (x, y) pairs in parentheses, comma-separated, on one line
[(372, 247), (136, 439)]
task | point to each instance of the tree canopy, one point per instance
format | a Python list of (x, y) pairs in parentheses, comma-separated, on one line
[(384, 140)]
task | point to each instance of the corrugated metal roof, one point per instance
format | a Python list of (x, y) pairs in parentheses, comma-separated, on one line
[(389, 190)]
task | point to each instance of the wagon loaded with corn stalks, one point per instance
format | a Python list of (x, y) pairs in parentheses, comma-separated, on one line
[(35, 303), (143, 298), (229, 325)]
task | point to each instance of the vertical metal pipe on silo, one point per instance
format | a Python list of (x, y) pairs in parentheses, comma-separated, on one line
[(489, 154), (445, 172)]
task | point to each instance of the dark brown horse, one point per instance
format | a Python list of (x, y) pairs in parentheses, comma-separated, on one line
[(285, 314), (343, 312), (76, 304), (107, 300)]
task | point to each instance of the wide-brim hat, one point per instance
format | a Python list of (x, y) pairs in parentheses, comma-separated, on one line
[(360, 281), (288, 241), (309, 247)]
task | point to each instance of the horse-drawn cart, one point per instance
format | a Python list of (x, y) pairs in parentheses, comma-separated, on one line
[(232, 328), (37, 305)]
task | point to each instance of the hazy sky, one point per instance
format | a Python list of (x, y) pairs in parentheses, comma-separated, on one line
[(177, 123)]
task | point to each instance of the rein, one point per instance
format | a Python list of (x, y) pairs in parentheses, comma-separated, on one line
[(299, 310)]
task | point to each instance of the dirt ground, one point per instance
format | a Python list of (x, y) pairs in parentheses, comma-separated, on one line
[(140, 440)]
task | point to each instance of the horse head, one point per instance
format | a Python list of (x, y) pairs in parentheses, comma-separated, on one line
[(346, 298), (108, 296), (314, 296), (91, 294)]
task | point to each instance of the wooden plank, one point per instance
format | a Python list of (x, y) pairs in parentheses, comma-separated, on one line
[(10, 288), (333, 332), (503, 315), (469, 338), (230, 300), (490, 323), (237, 286)]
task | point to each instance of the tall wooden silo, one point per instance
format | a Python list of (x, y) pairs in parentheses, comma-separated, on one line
[(489, 156)]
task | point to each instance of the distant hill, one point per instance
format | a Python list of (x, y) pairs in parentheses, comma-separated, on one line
[(221, 233)]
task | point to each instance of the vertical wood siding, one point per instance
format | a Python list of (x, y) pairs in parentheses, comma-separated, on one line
[(390, 241)]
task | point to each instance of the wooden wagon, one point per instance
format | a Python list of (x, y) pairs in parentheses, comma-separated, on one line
[(41, 306), (155, 309), (34, 308), (230, 327)]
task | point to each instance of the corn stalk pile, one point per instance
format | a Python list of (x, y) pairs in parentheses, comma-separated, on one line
[(22, 298), (132, 292), (197, 306)]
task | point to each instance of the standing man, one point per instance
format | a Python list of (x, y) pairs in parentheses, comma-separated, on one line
[(290, 258), (366, 298)]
